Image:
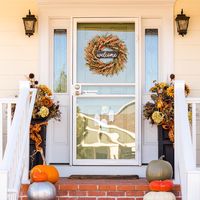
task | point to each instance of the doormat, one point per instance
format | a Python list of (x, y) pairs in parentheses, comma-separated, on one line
[(124, 177)]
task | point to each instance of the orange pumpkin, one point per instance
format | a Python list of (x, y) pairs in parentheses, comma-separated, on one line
[(39, 176), (51, 171), (162, 186)]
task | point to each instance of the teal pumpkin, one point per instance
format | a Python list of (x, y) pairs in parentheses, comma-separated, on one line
[(159, 170)]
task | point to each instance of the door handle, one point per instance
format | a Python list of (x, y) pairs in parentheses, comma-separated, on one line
[(77, 88), (90, 92)]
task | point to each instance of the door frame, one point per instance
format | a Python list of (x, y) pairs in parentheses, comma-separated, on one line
[(99, 162)]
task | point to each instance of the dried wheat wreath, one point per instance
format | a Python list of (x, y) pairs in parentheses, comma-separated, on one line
[(99, 43)]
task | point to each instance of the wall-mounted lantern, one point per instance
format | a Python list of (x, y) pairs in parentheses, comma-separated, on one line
[(29, 24), (182, 22)]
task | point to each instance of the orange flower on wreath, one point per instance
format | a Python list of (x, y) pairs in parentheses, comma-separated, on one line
[(45, 89), (170, 91), (46, 101)]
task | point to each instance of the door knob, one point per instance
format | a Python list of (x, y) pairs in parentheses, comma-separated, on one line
[(77, 93)]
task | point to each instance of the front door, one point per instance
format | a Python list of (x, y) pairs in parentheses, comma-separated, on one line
[(106, 100)]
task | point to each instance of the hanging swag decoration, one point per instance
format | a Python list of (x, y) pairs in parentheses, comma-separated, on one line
[(103, 47)]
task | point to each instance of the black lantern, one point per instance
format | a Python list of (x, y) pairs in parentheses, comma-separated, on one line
[(182, 22), (29, 24)]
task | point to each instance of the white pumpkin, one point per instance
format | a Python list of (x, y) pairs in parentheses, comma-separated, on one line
[(159, 196)]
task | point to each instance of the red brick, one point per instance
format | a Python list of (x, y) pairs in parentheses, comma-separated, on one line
[(106, 198), (23, 190), (107, 187), (116, 193), (125, 187), (68, 187), (96, 193), (77, 193), (139, 193), (142, 187), (86, 198), (87, 187), (176, 193), (100, 190), (176, 188), (130, 193), (62, 193)]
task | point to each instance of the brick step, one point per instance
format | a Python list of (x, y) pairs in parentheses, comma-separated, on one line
[(101, 189)]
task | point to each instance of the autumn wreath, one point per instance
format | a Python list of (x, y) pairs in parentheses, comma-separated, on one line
[(100, 43)]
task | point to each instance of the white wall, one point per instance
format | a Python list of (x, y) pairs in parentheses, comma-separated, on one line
[(18, 52), (187, 54), (187, 48)]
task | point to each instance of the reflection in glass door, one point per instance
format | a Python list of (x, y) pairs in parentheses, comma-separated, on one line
[(105, 99)]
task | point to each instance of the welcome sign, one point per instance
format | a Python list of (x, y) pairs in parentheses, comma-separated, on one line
[(107, 54)]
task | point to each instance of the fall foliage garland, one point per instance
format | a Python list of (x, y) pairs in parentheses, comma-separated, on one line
[(36, 137)]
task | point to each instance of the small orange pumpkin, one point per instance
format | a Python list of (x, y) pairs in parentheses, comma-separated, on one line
[(51, 171), (161, 186), (39, 176)]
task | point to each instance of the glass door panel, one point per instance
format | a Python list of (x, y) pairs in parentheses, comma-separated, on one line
[(86, 32), (105, 100), (105, 128)]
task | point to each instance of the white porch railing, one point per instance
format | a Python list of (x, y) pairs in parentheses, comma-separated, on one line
[(5, 121), (185, 144), (14, 164), (195, 104)]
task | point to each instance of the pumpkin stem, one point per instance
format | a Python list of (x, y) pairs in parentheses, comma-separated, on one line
[(162, 157)]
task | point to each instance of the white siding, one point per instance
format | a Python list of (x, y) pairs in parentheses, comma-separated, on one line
[(187, 53), (187, 48), (18, 52)]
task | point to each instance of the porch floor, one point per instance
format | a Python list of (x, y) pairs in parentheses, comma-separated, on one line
[(100, 189)]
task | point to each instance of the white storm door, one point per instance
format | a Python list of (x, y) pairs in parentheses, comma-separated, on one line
[(106, 105)]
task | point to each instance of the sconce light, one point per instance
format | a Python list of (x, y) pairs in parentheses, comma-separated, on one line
[(182, 22), (29, 24)]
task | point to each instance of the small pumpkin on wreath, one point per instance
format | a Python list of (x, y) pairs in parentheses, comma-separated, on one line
[(100, 43)]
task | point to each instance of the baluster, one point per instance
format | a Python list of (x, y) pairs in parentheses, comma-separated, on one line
[(8, 119), (1, 131), (25, 178), (194, 131)]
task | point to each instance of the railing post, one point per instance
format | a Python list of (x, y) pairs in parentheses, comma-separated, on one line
[(178, 85), (3, 184), (1, 132), (194, 131), (25, 175), (193, 185), (8, 120)]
